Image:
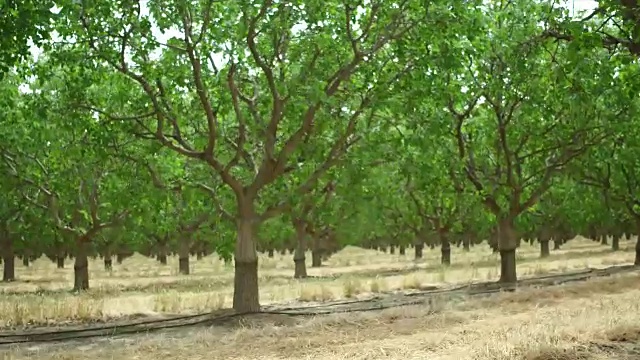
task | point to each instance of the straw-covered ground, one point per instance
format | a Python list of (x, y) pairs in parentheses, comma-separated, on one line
[(598, 319)]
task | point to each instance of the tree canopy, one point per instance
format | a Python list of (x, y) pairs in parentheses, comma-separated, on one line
[(237, 127)]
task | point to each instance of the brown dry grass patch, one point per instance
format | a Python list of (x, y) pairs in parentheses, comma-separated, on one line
[(141, 286), (591, 320)]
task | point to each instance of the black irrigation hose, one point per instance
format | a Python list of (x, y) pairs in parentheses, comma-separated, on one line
[(376, 303)]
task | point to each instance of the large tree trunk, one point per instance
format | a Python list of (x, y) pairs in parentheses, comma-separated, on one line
[(81, 267), (246, 297), (507, 244), (544, 248), (445, 248), (299, 258)]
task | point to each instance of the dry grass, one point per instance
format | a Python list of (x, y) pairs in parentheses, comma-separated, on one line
[(142, 286), (595, 320)]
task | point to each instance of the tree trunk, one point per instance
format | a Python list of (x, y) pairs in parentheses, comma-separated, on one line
[(9, 266), (637, 261), (183, 257), (60, 261), (8, 256), (108, 263), (402, 250), (270, 253), (556, 244), (246, 297), (604, 240), (162, 258), (199, 256), (299, 259), (119, 259), (445, 248), (615, 243), (418, 248), (81, 267), (507, 245), (183, 265), (392, 249), (316, 258), (544, 248), (25, 261), (466, 244)]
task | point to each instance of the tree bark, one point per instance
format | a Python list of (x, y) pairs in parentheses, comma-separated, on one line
[(162, 258), (8, 266), (402, 250), (183, 257), (81, 267), (604, 240), (507, 244), (615, 243), (445, 248), (25, 261), (183, 265), (270, 253), (8, 257), (246, 297), (418, 250), (637, 260), (544, 248), (556, 244), (466, 244), (392, 249), (119, 259), (299, 258), (108, 263), (316, 258), (60, 261)]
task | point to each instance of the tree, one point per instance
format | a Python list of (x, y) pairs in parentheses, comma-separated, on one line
[(23, 22), (518, 115), (250, 117)]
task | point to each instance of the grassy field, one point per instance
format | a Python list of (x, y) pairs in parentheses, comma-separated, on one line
[(566, 322)]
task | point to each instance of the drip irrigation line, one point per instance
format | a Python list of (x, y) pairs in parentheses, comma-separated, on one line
[(376, 303)]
